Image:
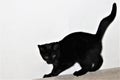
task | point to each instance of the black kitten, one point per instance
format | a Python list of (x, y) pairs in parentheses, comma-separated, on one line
[(80, 47)]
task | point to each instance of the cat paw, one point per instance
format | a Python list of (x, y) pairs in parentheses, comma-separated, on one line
[(79, 73), (76, 73), (47, 75)]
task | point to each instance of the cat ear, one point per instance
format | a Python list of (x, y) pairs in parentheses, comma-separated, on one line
[(40, 47), (56, 46)]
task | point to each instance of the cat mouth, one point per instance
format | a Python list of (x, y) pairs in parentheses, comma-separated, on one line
[(49, 62)]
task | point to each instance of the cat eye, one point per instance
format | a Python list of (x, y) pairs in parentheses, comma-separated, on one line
[(54, 56)]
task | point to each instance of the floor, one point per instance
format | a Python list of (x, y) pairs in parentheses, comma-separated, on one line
[(105, 74)]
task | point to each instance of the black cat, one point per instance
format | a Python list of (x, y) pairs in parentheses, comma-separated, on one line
[(80, 47)]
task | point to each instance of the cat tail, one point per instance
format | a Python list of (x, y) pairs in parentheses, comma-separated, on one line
[(106, 22)]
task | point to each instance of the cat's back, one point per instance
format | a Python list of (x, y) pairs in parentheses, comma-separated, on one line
[(79, 40), (79, 37)]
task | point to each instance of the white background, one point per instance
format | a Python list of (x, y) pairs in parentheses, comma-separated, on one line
[(26, 23)]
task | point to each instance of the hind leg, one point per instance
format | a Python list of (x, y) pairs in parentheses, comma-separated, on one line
[(85, 67), (97, 63), (80, 72)]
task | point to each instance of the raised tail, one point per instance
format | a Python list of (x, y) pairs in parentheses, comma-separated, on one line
[(106, 22)]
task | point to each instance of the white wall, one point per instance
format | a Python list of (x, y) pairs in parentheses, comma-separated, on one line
[(26, 23)]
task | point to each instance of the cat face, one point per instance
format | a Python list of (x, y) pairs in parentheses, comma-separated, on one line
[(49, 52)]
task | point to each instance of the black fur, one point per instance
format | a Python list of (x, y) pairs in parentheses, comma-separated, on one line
[(80, 47)]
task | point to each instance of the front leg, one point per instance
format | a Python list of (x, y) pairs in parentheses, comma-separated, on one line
[(47, 75), (57, 69)]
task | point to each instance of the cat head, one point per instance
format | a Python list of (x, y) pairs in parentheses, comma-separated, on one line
[(49, 52)]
